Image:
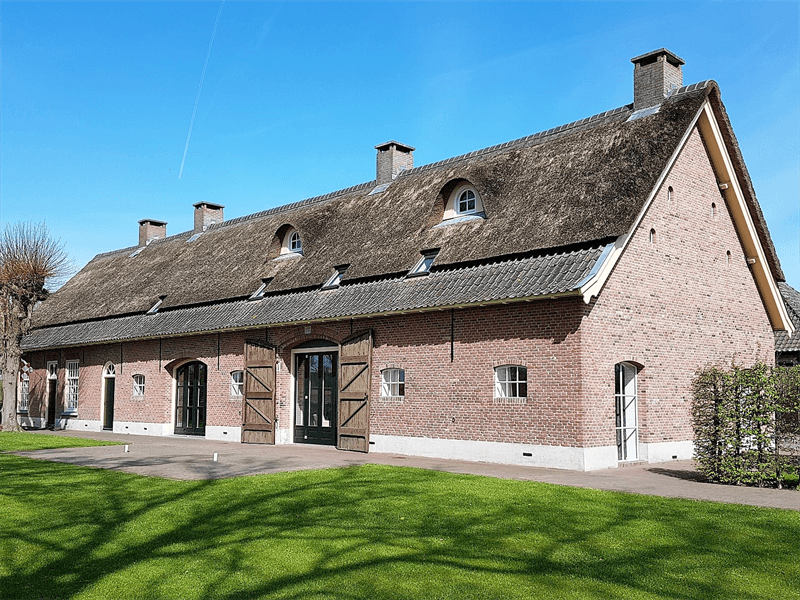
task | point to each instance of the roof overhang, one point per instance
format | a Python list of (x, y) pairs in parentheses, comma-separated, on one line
[(706, 122), (743, 220)]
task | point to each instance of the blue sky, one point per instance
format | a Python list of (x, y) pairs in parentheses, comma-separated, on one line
[(97, 97)]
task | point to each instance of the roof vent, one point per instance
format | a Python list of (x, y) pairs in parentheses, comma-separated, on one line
[(656, 75), (150, 229), (207, 214), (393, 158)]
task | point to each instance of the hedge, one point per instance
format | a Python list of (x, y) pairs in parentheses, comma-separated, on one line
[(746, 424)]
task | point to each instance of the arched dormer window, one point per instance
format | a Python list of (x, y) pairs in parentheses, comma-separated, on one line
[(292, 243), (464, 201)]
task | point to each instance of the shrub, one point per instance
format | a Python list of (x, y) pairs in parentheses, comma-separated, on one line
[(746, 423)]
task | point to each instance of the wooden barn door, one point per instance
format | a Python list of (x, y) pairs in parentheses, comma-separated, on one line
[(354, 380), (258, 411)]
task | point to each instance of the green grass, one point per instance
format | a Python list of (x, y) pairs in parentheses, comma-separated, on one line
[(22, 441), (376, 532)]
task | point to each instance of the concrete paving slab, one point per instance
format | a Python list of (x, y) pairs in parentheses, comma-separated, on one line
[(181, 457)]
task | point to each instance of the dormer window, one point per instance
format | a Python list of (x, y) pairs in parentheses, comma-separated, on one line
[(295, 245), (336, 279), (463, 202), (466, 202), (292, 244), (423, 266)]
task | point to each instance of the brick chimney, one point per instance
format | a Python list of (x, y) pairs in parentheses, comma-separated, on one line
[(205, 214), (150, 229), (393, 157), (655, 76)]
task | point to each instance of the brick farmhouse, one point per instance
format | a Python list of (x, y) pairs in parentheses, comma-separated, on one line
[(542, 302)]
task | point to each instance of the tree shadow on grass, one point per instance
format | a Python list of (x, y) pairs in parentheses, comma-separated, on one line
[(371, 532)]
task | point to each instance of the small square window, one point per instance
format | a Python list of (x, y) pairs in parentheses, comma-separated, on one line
[(511, 381), (393, 383)]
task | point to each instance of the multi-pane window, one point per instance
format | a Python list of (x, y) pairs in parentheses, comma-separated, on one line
[(466, 202), (237, 384), (625, 409), (295, 243), (511, 381), (24, 393), (393, 383), (138, 385), (72, 386)]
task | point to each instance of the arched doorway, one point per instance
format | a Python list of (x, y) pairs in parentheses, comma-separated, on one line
[(109, 384), (190, 398)]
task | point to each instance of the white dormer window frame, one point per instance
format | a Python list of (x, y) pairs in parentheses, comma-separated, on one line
[(292, 242), (465, 201)]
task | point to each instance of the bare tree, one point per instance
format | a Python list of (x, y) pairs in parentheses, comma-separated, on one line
[(29, 257)]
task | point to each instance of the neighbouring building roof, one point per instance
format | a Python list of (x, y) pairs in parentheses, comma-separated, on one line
[(544, 195), (791, 298)]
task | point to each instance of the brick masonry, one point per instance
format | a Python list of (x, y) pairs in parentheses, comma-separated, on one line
[(676, 301)]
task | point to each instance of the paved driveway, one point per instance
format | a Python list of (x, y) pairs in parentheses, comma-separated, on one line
[(193, 458)]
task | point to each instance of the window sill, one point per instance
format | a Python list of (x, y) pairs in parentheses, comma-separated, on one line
[(391, 399), (69, 413), (521, 400), (22, 411)]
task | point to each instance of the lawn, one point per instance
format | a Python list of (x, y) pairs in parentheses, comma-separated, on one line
[(376, 532), (22, 441)]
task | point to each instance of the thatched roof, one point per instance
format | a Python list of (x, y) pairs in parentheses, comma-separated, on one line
[(572, 185)]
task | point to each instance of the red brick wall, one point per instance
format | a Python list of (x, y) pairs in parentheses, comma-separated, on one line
[(673, 306)]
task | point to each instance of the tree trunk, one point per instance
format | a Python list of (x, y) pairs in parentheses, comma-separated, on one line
[(10, 379)]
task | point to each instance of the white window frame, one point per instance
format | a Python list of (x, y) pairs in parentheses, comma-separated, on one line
[(393, 383), (510, 382), (292, 243), (24, 392), (139, 381), (295, 243), (626, 410), (71, 388), (424, 264), (453, 207), (237, 385), (470, 195)]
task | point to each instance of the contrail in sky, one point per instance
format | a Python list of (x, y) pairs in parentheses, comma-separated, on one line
[(199, 89)]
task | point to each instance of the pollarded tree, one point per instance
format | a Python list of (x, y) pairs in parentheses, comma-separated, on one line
[(29, 258)]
